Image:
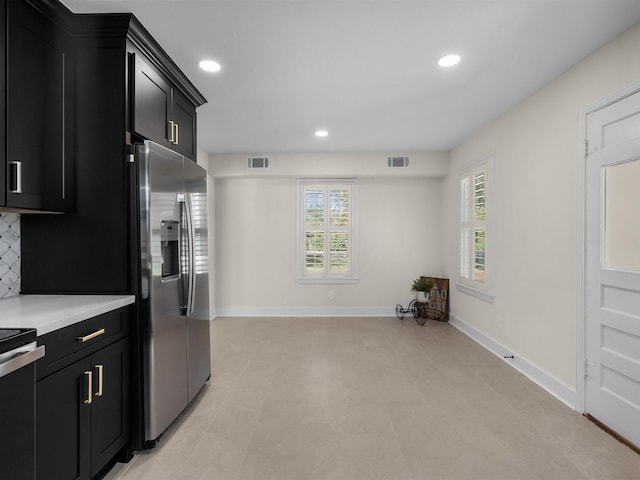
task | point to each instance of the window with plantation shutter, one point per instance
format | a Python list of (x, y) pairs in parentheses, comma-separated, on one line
[(326, 233), (473, 274)]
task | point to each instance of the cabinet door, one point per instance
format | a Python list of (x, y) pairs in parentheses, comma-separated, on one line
[(110, 407), (184, 115), (62, 424), (151, 103), (39, 163)]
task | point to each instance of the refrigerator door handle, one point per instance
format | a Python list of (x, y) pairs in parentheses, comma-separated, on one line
[(184, 249), (191, 292)]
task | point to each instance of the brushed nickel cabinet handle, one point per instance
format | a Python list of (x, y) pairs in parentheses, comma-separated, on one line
[(16, 186), (177, 134), (89, 375), (91, 336), (171, 129), (100, 369)]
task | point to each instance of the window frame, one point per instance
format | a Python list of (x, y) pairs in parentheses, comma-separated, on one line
[(326, 278), (469, 224)]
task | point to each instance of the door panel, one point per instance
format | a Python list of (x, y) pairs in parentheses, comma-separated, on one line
[(109, 436), (151, 103), (62, 436), (613, 273), (622, 237), (39, 111), (184, 114), (198, 317)]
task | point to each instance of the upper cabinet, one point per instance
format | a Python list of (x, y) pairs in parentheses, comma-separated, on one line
[(184, 118), (151, 99), (54, 62), (38, 169), (161, 113)]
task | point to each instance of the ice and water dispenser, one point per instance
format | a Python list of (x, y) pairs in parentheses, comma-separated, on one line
[(170, 247)]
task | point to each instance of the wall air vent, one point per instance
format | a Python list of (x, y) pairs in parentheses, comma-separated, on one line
[(258, 162), (397, 161)]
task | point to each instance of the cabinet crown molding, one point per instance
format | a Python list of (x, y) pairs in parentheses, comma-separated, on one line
[(127, 27)]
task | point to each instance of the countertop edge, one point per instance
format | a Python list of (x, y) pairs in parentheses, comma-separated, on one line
[(47, 313)]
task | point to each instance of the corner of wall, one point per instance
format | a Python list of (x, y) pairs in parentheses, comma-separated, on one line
[(202, 159), (562, 392)]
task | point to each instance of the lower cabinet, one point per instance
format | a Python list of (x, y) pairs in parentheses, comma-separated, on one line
[(82, 414), (110, 404), (63, 430)]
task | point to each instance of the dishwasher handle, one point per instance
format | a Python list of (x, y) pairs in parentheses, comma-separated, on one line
[(20, 357)]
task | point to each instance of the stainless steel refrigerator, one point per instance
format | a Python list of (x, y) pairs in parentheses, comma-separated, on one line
[(174, 289)]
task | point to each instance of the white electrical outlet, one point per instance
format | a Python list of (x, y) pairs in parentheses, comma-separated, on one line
[(332, 295)]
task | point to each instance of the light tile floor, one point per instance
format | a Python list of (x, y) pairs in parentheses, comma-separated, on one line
[(372, 398)]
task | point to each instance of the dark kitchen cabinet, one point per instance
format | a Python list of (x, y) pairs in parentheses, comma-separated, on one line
[(161, 113), (184, 115), (63, 435), (110, 411), (151, 101), (83, 399), (38, 102)]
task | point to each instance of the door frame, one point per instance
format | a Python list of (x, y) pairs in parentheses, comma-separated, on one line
[(581, 310)]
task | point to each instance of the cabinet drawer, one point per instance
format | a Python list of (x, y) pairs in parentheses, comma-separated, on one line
[(67, 345)]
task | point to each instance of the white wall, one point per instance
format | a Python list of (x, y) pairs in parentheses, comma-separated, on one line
[(398, 221), (536, 219)]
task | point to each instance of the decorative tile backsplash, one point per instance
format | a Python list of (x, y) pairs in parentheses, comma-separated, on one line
[(9, 254)]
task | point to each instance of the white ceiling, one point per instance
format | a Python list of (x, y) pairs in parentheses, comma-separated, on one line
[(366, 70)]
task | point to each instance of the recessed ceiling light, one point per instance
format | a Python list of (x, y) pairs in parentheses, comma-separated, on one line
[(449, 60), (209, 66), (321, 133)]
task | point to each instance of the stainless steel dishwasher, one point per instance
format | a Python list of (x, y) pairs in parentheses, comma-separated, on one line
[(18, 353)]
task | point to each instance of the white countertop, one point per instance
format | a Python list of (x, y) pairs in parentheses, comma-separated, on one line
[(47, 313)]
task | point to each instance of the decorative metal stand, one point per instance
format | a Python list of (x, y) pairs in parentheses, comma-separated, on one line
[(412, 308)]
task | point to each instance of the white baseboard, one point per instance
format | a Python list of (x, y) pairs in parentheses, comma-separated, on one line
[(561, 391), (305, 312)]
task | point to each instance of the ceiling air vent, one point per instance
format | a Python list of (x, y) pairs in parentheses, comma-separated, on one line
[(397, 161), (258, 162)]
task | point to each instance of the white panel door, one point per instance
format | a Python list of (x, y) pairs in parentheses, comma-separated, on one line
[(613, 267)]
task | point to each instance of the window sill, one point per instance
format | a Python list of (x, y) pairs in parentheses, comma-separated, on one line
[(474, 292), (326, 280)]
